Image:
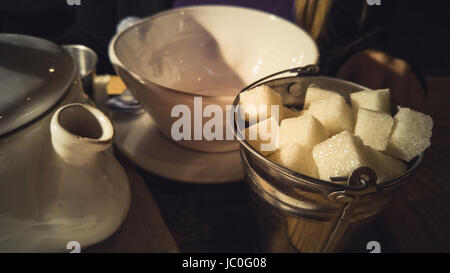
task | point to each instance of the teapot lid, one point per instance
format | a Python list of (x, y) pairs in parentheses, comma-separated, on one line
[(34, 75)]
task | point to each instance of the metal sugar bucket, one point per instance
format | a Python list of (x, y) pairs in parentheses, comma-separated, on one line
[(297, 213)]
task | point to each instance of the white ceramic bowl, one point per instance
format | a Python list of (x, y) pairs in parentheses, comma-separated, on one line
[(208, 51)]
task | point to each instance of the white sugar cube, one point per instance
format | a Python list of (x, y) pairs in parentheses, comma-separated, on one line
[(305, 130), (339, 155), (303, 112), (297, 158), (333, 113), (411, 134), (377, 100), (263, 136), (386, 167), (256, 103), (286, 113), (315, 94), (374, 128)]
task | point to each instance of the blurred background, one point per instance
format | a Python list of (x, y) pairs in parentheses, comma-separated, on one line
[(417, 30)]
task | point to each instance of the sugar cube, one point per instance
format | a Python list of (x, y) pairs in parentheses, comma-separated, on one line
[(305, 130), (377, 100), (411, 134), (256, 103), (286, 113), (374, 128), (303, 112), (339, 155), (297, 158), (315, 94), (386, 167), (333, 113), (263, 136)]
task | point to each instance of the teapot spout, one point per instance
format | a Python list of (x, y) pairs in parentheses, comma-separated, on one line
[(79, 132)]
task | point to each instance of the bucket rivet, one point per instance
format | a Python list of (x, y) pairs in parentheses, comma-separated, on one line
[(340, 197), (344, 198), (295, 89)]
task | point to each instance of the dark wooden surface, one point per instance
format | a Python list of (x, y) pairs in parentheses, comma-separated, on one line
[(419, 216), (143, 230), (217, 218)]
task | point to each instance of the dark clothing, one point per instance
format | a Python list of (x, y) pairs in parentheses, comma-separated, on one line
[(418, 31)]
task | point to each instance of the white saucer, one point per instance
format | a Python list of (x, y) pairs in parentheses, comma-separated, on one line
[(138, 137)]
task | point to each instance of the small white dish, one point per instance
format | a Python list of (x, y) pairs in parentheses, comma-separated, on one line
[(138, 137)]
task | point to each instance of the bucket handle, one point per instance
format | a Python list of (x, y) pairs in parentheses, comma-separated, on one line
[(361, 181), (307, 70)]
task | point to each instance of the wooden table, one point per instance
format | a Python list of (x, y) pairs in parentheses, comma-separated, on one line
[(217, 218), (419, 216)]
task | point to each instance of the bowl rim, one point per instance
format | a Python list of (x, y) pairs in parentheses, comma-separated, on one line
[(115, 60), (296, 175)]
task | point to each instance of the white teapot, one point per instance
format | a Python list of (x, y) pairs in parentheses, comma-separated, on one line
[(57, 182)]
